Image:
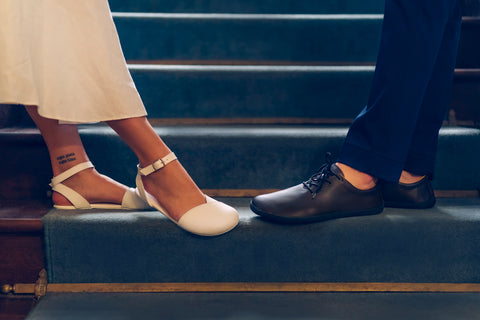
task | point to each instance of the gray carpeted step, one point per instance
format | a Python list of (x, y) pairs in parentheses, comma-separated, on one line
[(272, 94), (223, 157), (249, 37), (253, 91), (334, 92), (249, 6), (237, 38), (265, 306), (438, 245)]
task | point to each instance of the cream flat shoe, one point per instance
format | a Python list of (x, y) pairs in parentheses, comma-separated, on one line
[(130, 201), (212, 218)]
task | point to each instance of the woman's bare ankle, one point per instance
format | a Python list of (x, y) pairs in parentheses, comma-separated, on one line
[(94, 187), (174, 189)]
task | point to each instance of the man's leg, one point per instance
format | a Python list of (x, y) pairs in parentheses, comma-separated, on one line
[(420, 162), (436, 102), (378, 142), (379, 139)]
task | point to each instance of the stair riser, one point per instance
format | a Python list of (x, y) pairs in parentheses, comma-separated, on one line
[(470, 8), (308, 39), (269, 92), (227, 157), (249, 6), (249, 94), (250, 38), (210, 92), (266, 306), (469, 47), (396, 246)]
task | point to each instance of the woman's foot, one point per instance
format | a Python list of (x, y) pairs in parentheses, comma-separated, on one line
[(94, 187), (174, 190), (167, 187)]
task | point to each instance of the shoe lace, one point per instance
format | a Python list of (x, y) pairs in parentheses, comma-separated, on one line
[(316, 181)]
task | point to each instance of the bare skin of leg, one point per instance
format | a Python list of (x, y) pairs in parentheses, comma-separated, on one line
[(171, 186), (364, 181), (66, 150), (409, 178)]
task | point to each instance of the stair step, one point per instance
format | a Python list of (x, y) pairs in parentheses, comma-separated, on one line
[(296, 306), (309, 92), (272, 94), (252, 91), (249, 6), (437, 245), (250, 37), (267, 37), (469, 48), (224, 157)]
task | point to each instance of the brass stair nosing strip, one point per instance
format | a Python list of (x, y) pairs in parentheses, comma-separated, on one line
[(260, 287), (238, 193)]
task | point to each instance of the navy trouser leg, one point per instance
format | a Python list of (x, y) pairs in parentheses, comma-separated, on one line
[(411, 53), (436, 103)]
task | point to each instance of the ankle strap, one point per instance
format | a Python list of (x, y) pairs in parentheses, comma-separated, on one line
[(70, 172), (157, 165)]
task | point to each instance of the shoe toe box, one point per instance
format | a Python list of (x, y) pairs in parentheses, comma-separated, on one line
[(210, 219)]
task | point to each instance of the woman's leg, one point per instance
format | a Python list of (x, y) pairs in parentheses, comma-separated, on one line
[(66, 150), (172, 186)]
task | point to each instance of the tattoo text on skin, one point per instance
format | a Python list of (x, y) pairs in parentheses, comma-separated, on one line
[(66, 158)]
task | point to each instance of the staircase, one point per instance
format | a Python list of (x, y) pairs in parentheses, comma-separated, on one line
[(250, 95)]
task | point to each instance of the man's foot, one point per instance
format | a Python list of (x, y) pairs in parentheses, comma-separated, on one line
[(417, 195), (326, 195)]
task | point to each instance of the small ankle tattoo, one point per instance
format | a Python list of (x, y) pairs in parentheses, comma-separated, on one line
[(69, 157)]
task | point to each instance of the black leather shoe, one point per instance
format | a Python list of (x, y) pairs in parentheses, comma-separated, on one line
[(418, 195), (326, 195)]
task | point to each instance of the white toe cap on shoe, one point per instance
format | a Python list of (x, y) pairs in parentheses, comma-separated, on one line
[(210, 219)]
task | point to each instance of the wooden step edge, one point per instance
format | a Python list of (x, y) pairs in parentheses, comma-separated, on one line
[(249, 63), (15, 220), (244, 193), (452, 121), (21, 225), (472, 18), (467, 74), (280, 63), (22, 216), (247, 121)]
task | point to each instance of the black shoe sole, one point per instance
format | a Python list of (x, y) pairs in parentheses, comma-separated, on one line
[(323, 217), (421, 205)]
